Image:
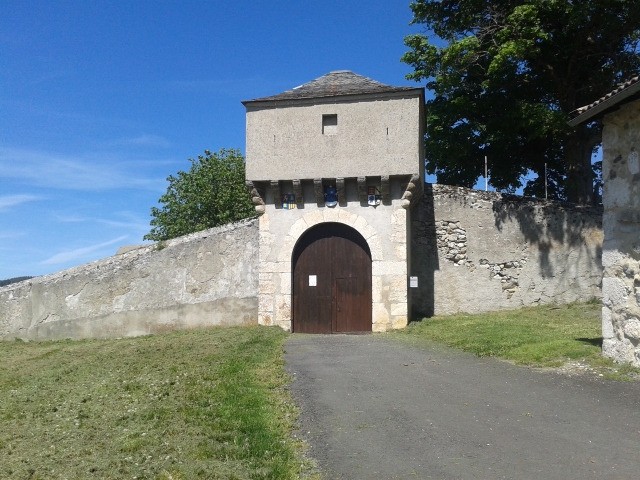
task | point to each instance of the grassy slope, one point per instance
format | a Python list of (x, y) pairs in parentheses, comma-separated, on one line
[(545, 336), (213, 403), (198, 404)]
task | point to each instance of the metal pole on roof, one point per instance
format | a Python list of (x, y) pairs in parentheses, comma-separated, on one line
[(486, 178)]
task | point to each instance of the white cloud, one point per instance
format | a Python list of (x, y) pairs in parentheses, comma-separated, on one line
[(70, 218), (9, 235), (7, 201), (145, 140), (80, 253), (132, 224), (127, 220), (89, 173)]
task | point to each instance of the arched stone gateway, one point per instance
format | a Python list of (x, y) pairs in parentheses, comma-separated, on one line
[(331, 266), (334, 167), (276, 266)]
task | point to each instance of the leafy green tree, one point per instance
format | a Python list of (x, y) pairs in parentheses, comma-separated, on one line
[(506, 76), (211, 193)]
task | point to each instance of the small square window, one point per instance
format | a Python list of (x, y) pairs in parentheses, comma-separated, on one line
[(329, 124)]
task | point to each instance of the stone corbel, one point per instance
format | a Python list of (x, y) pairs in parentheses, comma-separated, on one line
[(362, 189), (385, 190), (297, 191), (318, 190), (256, 198), (413, 192), (275, 190), (342, 192)]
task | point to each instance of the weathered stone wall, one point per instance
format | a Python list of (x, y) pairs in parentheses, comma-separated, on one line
[(208, 278), (475, 251), (621, 252), (472, 251)]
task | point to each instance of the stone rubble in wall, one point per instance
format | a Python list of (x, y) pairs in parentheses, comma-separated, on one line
[(475, 199), (452, 241), (507, 272)]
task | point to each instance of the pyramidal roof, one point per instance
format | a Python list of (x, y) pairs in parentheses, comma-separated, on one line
[(333, 84)]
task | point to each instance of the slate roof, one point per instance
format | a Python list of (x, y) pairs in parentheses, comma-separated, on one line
[(625, 91), (333, 84)]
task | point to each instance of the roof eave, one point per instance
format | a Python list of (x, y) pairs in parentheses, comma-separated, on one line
[(266, 102), (606, 105)]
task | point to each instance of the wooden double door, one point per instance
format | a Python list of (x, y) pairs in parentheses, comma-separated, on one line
[(331, 281)]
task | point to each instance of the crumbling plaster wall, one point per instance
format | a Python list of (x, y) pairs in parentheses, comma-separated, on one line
[(621, 252), (475, 251), (207, 278)]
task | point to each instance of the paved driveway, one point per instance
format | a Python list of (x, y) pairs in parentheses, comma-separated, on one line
[(376, 408)]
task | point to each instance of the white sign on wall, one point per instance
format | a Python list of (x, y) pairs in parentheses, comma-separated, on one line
[(413, 282), (313, 280)]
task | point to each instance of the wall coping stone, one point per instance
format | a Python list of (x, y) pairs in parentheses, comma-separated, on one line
[(130, 255)]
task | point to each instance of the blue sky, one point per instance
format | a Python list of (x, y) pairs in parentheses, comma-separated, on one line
[(101, 101)]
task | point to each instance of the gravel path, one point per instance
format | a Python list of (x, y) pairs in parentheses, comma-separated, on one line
[(377, 408)]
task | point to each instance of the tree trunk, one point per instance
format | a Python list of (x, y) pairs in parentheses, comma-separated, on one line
[(579, 149)]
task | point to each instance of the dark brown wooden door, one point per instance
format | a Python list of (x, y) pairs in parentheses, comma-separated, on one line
[(331, 281)]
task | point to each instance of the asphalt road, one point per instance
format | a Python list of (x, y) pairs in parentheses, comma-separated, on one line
[(376, 408)]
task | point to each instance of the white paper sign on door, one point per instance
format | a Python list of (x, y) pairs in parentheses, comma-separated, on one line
[(313, 280)]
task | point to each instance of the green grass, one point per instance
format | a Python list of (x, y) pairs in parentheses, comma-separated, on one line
[(544, 336), (197, 404)]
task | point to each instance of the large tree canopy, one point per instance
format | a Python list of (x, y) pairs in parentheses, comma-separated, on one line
[(211, 193), (505, 77)]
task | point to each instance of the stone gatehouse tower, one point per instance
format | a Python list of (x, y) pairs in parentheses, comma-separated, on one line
[(334, 167)]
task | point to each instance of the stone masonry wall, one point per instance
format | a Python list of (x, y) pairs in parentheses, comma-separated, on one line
[(621, 252), (476, 251), (472, 251), (207, 278), (383, 228)]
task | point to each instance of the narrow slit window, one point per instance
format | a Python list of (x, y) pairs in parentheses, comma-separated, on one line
[(329, 124)]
